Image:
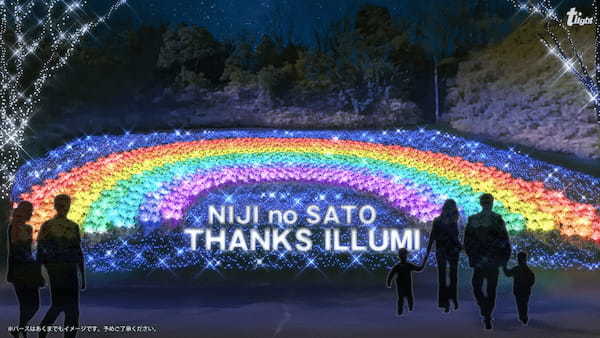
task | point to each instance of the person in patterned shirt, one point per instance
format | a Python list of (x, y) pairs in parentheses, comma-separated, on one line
[(59, 250)]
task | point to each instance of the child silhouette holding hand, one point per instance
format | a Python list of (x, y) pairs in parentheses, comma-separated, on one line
[(524, 279), (402, 273)]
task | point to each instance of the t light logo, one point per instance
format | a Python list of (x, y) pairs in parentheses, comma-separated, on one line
[(575, 18)]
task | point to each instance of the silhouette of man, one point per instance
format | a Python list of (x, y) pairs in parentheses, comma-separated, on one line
[(488, 247), (524, 279), (59, 250)]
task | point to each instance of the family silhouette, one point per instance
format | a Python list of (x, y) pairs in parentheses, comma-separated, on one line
[(487, 245), (59, 252)]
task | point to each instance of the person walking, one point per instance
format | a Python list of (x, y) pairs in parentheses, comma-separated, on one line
[(523, 281), (488, 247), (444, 233), (402, 274), (59, 250), (23, 271)]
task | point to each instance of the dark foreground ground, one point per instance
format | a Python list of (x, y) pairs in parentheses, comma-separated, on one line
[(565, 304)]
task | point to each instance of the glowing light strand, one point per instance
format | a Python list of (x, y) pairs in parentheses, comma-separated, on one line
[(22, 34), (574, 63)]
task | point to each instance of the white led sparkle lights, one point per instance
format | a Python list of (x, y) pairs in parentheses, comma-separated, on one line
[(46, 32), (566, 51)]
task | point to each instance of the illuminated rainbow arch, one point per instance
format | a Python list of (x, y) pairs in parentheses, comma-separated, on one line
[(157, 184)]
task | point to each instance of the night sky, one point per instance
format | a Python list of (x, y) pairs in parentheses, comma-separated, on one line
[(231, 19), (292, 20)]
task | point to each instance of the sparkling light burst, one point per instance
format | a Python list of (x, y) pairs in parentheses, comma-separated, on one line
[(133, 184), (36, 36), (566, 51)]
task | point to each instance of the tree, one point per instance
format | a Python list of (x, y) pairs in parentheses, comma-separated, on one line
[(240, 66), (444, 27), (365, 58), (439, 36), (267, 52), (37, 39), (192, 49), (557, 38)]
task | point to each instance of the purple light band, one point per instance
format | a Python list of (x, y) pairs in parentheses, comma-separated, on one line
[(178, 197)]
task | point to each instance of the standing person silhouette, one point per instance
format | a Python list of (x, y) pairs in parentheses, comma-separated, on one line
[(444, 233), (488, 246), (402, 274), (23, 271), (524, 279), (59, 250)]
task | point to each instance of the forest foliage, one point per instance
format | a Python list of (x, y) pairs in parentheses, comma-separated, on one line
[(365, 51), (361, 58), (369, 52)]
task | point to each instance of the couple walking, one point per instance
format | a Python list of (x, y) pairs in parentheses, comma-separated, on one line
[(488, 248), (59, 251)]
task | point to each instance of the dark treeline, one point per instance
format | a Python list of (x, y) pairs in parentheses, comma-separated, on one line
[(368, 53)]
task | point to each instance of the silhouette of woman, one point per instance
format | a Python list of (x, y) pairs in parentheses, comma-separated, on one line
[(447, 248), (23, 270)]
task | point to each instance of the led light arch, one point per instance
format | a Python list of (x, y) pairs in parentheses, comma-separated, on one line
[(409, 194), (159, 181)]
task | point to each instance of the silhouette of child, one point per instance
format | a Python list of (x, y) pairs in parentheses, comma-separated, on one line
[(524, 279), (402, 273)]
